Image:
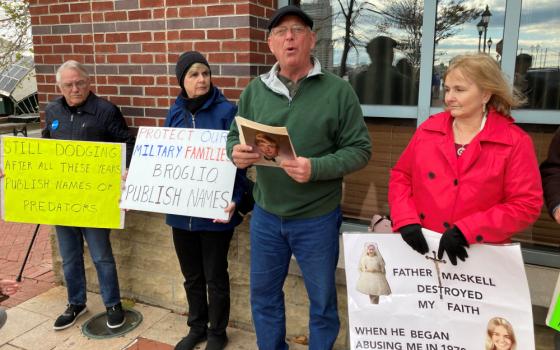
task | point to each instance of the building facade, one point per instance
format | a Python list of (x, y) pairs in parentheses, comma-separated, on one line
[(131, 47)]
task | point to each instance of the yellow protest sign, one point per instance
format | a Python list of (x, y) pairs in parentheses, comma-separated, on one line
[(59, 182)]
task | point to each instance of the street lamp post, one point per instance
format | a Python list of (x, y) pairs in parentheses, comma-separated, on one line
[(486, 19), (480, 28), (489, 44)]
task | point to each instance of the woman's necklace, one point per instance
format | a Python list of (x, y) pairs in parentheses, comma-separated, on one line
[(463, 147)]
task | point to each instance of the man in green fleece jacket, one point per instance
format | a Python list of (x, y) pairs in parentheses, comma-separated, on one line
[(297, 208)]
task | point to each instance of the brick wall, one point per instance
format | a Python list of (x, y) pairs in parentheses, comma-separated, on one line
[(131, 46)]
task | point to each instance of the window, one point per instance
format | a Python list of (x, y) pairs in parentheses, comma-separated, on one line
[(537, 63), (375, 45), (440, 30), (461, 28)]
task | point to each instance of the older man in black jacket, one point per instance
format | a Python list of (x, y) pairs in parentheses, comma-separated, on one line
[(550, 172), (81, 115)]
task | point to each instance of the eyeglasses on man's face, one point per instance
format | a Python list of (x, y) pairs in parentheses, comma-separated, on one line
[(80, 84), (282, 31)]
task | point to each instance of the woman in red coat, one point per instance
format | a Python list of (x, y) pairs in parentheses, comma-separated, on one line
[(468, 172)]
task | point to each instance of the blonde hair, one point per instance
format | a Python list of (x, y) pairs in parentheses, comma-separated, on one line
[(71, 64), (492, 324), (485, 72)]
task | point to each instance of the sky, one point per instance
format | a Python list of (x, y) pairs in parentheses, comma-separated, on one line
[(540, 27), (539, 32)]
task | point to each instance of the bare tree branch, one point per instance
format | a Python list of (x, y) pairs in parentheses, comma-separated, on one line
[(15, 38), (352, 12), (408, 15)]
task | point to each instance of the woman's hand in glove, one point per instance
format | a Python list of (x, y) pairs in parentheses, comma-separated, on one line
[(453, 243), (413, 236)]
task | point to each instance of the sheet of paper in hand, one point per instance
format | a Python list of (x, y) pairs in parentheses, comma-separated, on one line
[(399, 299), (272, 142), (180, 171)]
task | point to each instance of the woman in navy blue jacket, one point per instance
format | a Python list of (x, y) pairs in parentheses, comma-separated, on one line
[(202, 244)]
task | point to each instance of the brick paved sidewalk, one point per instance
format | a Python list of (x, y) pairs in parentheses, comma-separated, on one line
[(38, 276)]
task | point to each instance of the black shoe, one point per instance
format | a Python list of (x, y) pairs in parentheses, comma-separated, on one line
[(3, 317), (69, 317), (191, 340), (217, 342), (115, 316)]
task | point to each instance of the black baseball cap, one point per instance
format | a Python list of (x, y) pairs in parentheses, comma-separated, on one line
[(289, 10)]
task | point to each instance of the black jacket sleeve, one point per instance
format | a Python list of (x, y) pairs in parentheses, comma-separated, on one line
[(550, 173), (119, 132), (46, 131)]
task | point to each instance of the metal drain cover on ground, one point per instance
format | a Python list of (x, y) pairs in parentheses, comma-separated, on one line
[(96, 327)]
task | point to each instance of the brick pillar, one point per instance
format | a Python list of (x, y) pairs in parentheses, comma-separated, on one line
[(131, 46)]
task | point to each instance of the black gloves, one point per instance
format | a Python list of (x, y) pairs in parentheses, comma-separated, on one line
[(413, 236), (453, 243)]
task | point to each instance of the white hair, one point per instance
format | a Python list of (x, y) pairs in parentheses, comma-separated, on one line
[(71, 64)]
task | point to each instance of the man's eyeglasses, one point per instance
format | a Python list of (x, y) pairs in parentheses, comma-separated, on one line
[(80, 84), (282, 31)]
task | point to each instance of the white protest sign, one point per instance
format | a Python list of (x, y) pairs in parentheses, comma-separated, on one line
[(399, 299), (180, 171)]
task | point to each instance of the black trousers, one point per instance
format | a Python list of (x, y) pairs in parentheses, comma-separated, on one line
[(203, 259)]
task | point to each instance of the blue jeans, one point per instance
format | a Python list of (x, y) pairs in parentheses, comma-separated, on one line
[(71, 246), (314, 243)]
